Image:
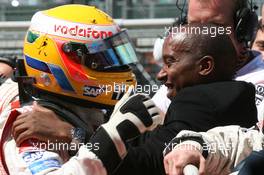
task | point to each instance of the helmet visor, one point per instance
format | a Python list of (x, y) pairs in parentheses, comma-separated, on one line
[(111, 53)]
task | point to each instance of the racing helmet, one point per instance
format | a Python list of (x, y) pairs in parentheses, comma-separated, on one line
[(77, 52)]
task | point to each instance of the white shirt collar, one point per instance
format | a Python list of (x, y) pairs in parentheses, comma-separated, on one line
[(254, 65)]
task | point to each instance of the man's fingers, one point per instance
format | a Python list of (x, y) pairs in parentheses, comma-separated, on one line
[(19, 121), (128, 93), (171, 164), (23, 115), (22, 137), (177, 169), (202, 166), (18, 130), (166, 165)]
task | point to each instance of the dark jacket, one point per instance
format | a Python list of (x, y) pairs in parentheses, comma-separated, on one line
[(196, 108)]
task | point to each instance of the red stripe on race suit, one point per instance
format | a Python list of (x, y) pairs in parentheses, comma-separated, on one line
[(6, 131)]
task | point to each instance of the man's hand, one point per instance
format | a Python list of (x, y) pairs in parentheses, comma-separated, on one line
[(179, 157), (42, 124), (132, 117)]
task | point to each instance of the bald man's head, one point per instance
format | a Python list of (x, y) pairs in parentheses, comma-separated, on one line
[(195, 58)]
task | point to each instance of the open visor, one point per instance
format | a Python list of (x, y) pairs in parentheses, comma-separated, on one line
[(111, 53)]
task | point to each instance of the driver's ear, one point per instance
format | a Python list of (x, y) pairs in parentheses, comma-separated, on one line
[(206, 65)]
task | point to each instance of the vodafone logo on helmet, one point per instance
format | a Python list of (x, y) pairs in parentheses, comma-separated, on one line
[(73, 30), (81, 31)]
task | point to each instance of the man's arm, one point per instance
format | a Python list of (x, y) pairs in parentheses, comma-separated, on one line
[(109, 142), (36, 124), (222, 148)]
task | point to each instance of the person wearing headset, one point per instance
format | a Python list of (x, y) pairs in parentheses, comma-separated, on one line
[(243, 20), (72, 54)]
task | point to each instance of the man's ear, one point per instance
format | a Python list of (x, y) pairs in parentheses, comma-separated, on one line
[(206, 65)]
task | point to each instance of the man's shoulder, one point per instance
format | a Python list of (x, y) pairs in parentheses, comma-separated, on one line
[(216, 93), (221, 103), (228, 86), (218, 87)]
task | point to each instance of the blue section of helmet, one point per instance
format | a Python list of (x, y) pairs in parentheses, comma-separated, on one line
[(36, 64), (60, 77), (49, 68)]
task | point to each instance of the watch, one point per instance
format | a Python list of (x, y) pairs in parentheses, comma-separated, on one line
[(78, 134), (78, 139)]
